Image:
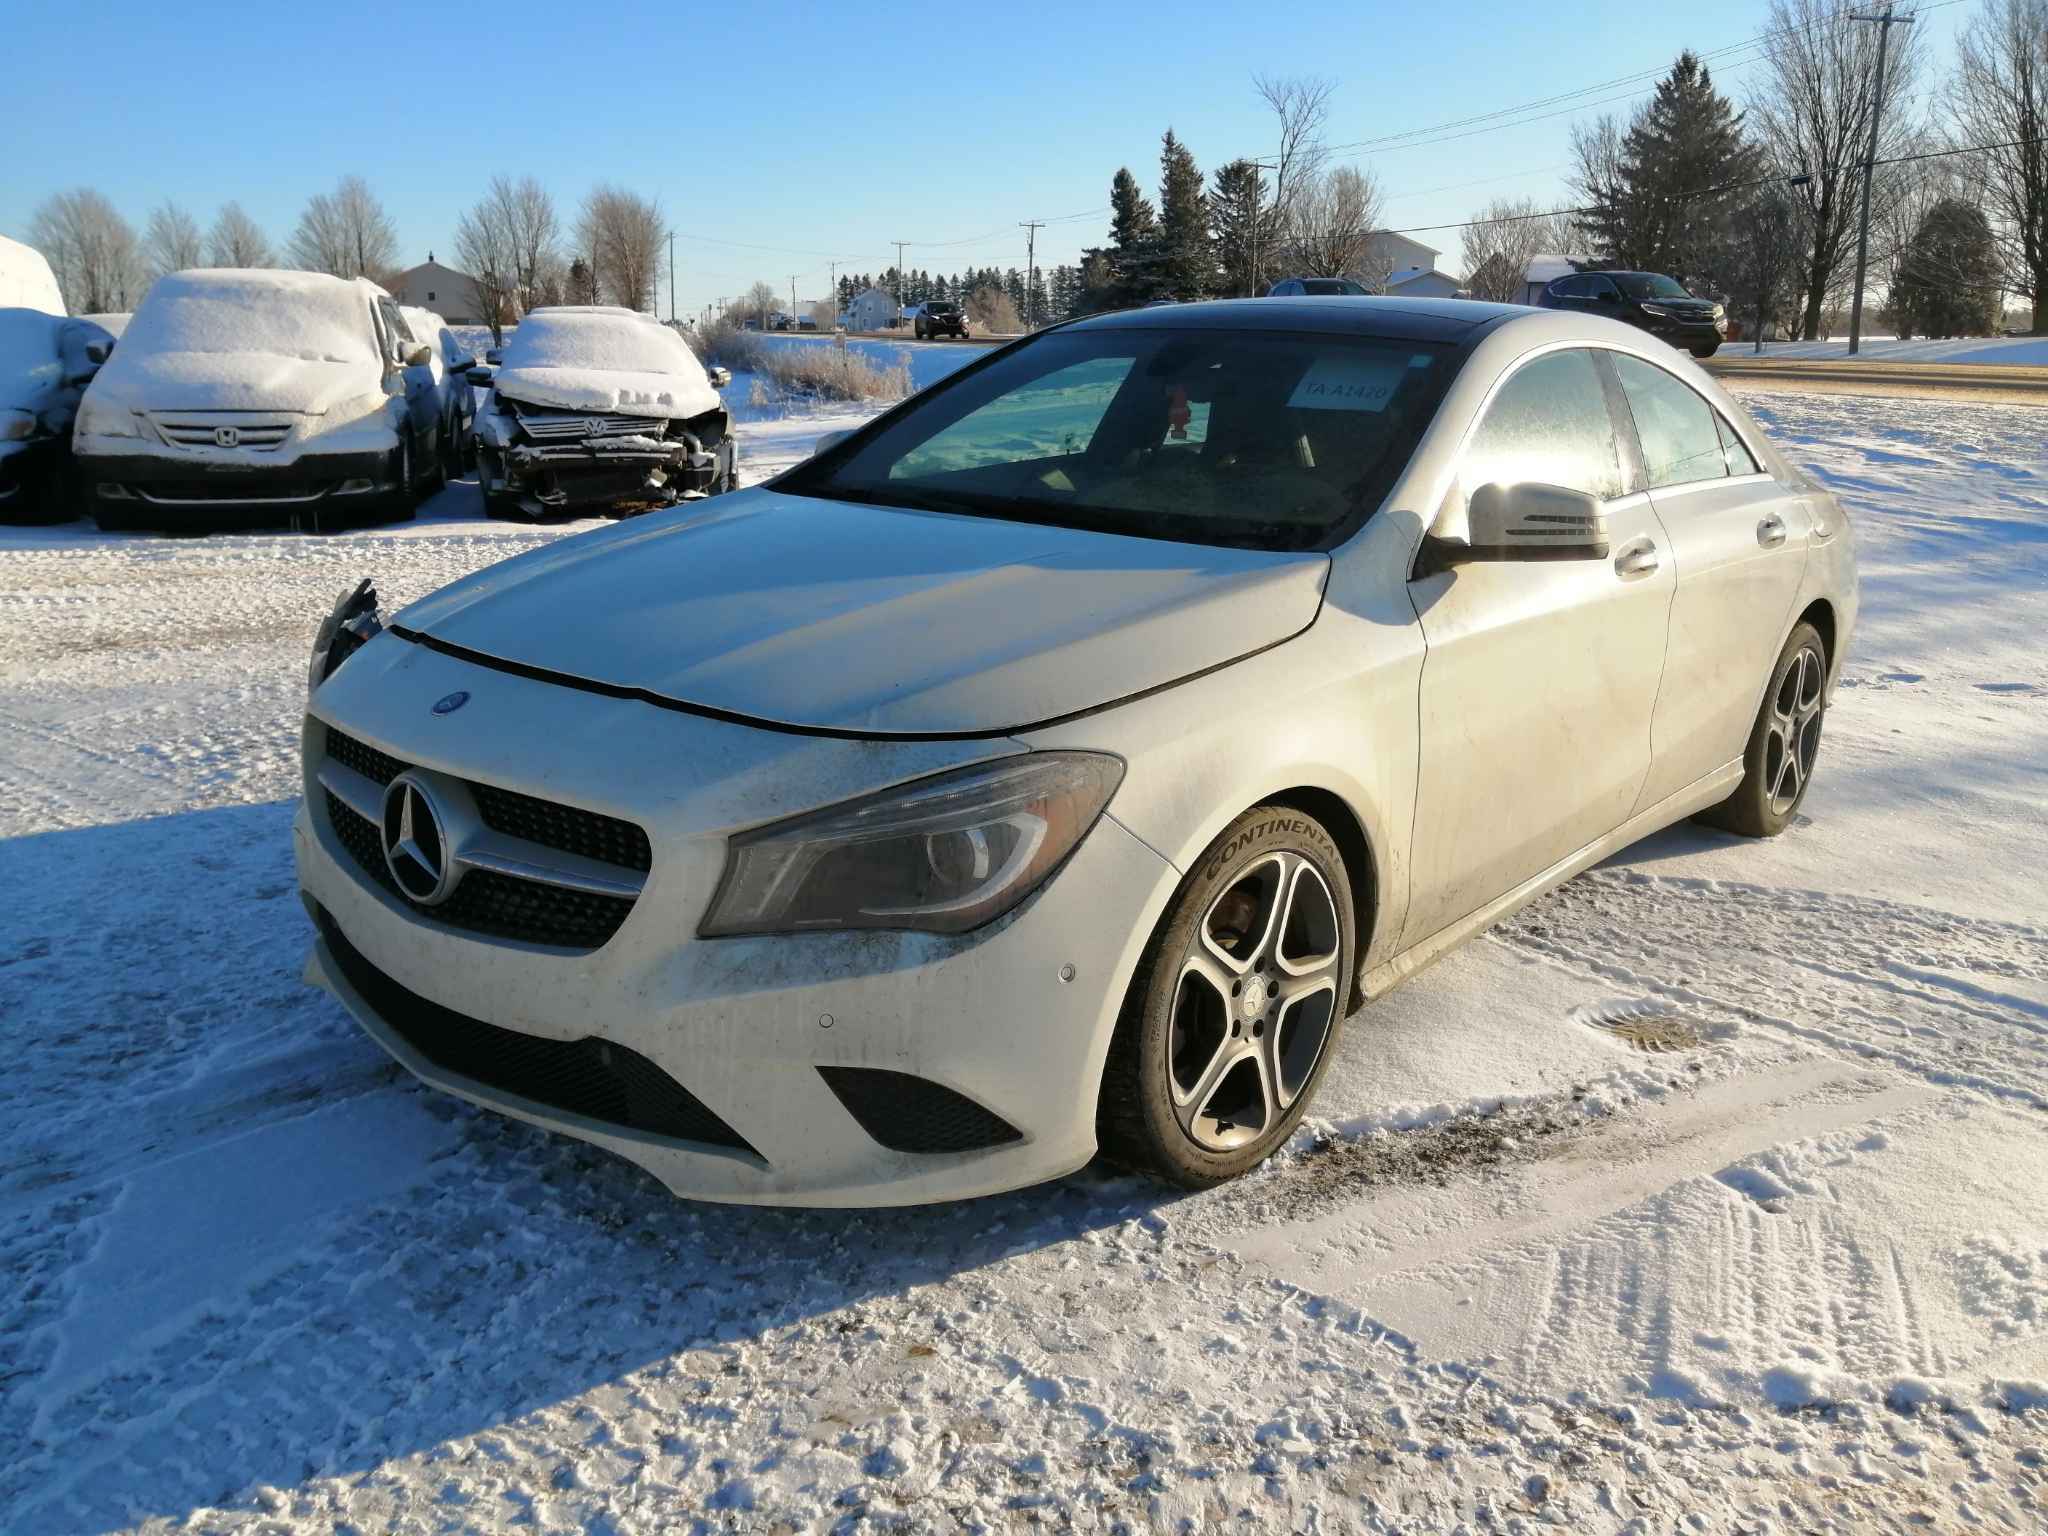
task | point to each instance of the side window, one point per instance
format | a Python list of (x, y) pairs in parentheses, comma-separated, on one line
[(1681, 442), (1050, 417), (1569, 287), (395, 326), (1740, 460), (1548, 425), (1602, 288)]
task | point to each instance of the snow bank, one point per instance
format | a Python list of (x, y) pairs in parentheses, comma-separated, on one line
[(603, 360)]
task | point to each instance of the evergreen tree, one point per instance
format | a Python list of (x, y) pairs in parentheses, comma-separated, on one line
[(1186, 267), (1948, 281), (1240, 216), (1134, 243), (1664, 192), (1013, 289)]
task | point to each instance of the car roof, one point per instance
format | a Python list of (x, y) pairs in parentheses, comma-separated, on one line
[(1395, 319)]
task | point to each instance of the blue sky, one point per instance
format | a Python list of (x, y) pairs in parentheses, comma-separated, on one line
[(812, 131)]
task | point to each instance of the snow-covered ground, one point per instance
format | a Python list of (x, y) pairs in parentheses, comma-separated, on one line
[(1704, 1195), (2020, 351)]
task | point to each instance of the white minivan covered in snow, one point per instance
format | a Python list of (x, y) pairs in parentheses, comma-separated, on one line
[(26, 281), (267, 395)]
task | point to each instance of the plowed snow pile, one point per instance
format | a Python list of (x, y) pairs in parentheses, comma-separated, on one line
[(1707, 1194)]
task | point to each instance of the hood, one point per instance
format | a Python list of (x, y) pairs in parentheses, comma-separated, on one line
[(229, 381), (797, 611), (592, 389)]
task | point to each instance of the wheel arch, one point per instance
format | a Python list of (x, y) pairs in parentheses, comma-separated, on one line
[(1820, 613), (1361, 865)]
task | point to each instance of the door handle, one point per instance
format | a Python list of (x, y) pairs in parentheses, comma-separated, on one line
[(1771, 531), (1635, 561)]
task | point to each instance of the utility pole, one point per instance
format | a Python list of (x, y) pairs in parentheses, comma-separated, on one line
[(1031, 227), (671, 277), (1258, 196), (792, 298), (1885, 22), (833, 292), (899, 244)]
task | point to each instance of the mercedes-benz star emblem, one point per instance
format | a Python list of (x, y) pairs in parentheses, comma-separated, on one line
[(415, 842), (448, 704), (227, 437)]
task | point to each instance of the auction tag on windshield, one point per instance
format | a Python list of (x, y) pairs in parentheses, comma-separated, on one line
[(1347, 384)]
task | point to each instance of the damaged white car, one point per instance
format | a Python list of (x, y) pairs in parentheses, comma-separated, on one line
[(1055, 763), (600, 409)]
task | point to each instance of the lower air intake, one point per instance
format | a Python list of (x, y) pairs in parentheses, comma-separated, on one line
[(908, 1114), (597, 1079)]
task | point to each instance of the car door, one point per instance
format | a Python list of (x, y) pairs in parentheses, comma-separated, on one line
[(1569, 293), (1739, 541), (1540, 678), (422, 396)]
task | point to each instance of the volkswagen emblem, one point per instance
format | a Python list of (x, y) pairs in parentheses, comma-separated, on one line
[(227, 437), (416, 842), (448, 704)]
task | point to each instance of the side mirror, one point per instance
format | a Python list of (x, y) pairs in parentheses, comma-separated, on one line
[(98, 351), (461, 364), (830, 441), (1521, 522), (719, 377), (494, 357), (479, 378), (418, 355)]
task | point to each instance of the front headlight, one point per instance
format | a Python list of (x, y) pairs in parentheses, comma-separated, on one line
[(1655, 309), (943, 854), (16, 426), (96, 419), (344, 631)]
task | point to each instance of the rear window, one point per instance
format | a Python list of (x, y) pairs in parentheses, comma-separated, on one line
[(1331, 285), (1259, 439), (292, 315)]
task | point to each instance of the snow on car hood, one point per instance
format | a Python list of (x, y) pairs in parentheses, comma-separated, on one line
[(634, 394), (229, 381), (805, 612), (598, 359)]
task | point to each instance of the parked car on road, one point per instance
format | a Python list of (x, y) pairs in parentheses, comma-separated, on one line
[(1055, 762), (46, 361), (264, 396), (940, 318), (599, 409), (1317, 287), (1650, 301), (26, 281), (448, 371)]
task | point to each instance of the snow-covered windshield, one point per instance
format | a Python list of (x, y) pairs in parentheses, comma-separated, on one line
[(29, 359), (1210, 436), (282, 314), (1650, 285), (599, 342)]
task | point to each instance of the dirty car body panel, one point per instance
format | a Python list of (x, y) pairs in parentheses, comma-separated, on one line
[(588, 749)]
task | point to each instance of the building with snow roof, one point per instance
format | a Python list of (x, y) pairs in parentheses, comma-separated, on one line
[(448, 293)]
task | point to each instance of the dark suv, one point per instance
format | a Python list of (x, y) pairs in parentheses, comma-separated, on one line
[(941, 320), (1650, 300)]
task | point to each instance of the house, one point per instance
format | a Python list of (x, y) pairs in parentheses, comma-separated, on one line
[(872, 309), (1423, 283), (448, 293), (1387, 252)]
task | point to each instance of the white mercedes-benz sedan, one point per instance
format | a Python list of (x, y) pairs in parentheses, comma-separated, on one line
[(1052, 765)]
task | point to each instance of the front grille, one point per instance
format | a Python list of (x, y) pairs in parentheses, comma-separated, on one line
[(597, 1079), (908, 1114), (494, 905), (564, 827), (574, 426), (198, 432)]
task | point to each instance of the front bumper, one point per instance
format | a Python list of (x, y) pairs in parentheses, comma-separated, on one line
[(592, 475), (171, 486), (744, 1025)]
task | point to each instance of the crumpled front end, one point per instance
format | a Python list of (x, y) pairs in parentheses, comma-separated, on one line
[(551, 460)]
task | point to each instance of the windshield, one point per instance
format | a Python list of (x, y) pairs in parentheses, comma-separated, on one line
[(1257, 439), (1329, 285), (284, 314), (605, 343), (1650, 285)]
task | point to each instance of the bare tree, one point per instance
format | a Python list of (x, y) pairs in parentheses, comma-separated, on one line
[(824, 314), (1765, 260), (1330, 226), (1999, 95), (91, 249), (1504, 238), (235, 241), (622, 233), (1814, 111), (991, 309), (1301, 108), (172, 242), (486, 249), (758, 303), (346, 233)]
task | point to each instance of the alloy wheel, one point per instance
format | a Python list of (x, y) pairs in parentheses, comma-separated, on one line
[(1792, 733), (1255, 1003)]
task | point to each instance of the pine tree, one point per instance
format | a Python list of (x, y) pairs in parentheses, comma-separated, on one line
[(1240, 217), (1948, 281), (1134, 243), (1667, 190), (1186, 265)]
